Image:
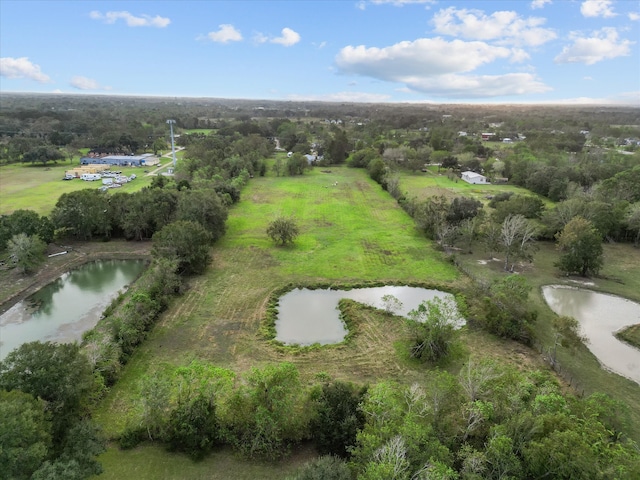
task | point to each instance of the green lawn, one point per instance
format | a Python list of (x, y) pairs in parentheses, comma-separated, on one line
[(426, 184), (37, 187)]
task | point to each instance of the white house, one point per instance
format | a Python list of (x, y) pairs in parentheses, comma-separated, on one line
[(474, 178)]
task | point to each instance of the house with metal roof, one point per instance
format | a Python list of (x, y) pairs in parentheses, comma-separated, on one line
[(474, 178)]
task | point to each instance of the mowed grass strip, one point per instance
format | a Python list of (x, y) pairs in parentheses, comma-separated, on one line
[(352, 232)]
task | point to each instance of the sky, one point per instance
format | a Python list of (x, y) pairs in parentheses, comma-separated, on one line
[(434, 51)]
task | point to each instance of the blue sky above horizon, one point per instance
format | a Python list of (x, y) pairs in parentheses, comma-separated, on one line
[(527, 51)]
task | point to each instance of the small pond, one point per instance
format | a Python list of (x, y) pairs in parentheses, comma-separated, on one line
[(600, 316), (63, 310), (308, 316)]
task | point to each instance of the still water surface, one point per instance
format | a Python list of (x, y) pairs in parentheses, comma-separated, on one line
[(63, 310), (308, 316), (600, 316)]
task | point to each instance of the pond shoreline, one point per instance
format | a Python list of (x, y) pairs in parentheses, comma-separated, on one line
[(79, 253), (601, 318)]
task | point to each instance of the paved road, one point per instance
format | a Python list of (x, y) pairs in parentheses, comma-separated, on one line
[(166, 165)]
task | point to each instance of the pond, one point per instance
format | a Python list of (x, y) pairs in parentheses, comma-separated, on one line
[(308, 316), (600, 316), (63, 310)]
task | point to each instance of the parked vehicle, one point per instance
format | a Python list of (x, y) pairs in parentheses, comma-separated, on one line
[(90, 177)]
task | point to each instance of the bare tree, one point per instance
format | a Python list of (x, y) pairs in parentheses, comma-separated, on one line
[(393, 453), (517, 237)]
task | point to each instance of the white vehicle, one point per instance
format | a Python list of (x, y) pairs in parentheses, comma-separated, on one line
[(107, 181), (90, 177)]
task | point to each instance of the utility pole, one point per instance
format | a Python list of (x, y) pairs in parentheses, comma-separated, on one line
[(173, 148)]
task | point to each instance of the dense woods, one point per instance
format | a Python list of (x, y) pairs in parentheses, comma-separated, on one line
[(581, 166)]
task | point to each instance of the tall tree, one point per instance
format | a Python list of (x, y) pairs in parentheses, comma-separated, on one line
[(57, 373), (205, 208), (433, 329), (580, 246), (26, 252), (337, 418), (25, 434), (185, 241), (82, 214)]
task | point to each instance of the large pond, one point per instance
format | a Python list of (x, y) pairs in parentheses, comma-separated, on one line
[(308, 316), (600, 316), (63, 310)]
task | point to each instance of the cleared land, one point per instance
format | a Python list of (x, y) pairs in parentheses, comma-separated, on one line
[(351, 232), (35, 187)]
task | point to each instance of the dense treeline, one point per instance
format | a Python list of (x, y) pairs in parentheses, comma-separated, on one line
[(489, 421)]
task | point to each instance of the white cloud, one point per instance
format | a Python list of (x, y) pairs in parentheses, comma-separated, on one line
[(131, 20), (226, 33), (597, 8), (604, 44), (84, 83), (518, 55), (288, 38), (22, 68), (505, 27), (423, 57), (587, 78), (478, 86), (535, 4), (634, 16), (435, 66)]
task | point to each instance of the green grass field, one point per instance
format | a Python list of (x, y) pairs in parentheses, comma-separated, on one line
[(425, 184), (37, 187)]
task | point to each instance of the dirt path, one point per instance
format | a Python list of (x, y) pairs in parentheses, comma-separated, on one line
[(15, 286)]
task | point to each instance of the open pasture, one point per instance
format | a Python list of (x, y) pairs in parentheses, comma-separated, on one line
[(351, 232), (37, 187)]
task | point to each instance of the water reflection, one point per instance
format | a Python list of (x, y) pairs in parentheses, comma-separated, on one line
[(68, 306), (308, 316), (600, 316)]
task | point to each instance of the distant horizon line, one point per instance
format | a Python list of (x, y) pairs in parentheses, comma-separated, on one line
[(555, 103)]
